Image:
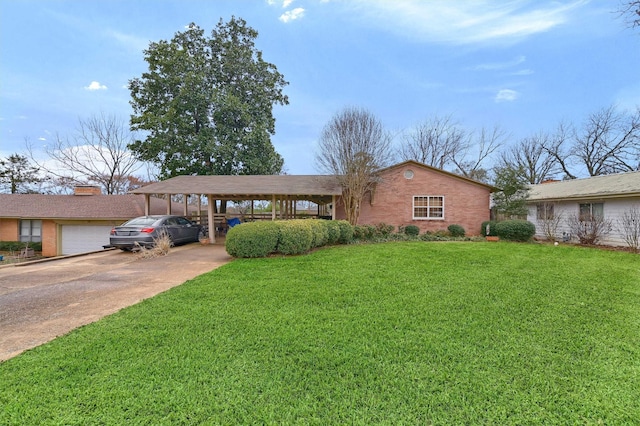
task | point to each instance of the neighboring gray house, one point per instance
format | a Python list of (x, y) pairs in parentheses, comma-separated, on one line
[(605, 196)]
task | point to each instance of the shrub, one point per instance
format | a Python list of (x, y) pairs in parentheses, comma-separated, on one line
[(253, 239), (319, 232), (589, 230), (383, 230), (412, 230), (333, 231), (515, 230), (364, 232), (456, 230), (492, 228), (435, 236), (18, 245), (346, 231), (296, 236)]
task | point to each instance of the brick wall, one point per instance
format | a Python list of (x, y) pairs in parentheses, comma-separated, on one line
[(49, 238), (465, 203), (8, 229)]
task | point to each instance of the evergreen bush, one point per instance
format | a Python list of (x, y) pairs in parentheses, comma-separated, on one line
[(333, 231), (296, 236), (319, 232), (253, 239), (515, 230), (346, 231), (412, 230), (492, 228), (456, 230)]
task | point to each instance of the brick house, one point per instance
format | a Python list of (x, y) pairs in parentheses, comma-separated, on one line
[(412, 193), (408, 193), (68, 224)]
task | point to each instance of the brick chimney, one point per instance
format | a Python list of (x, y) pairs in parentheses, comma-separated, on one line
[(86, 190)]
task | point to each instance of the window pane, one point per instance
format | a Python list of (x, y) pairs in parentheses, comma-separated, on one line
[(436, 212), (25, 227), (597, 210), (36, 228)]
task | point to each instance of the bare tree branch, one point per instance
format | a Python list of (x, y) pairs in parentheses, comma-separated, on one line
[(433, 142), (96, 153), (354, 146), (530, 157), (470, 159)]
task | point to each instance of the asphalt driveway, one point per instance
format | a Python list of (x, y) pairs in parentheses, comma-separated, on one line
[(41, 301)]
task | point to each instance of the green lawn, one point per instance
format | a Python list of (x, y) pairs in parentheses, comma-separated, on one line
[(396, 333)]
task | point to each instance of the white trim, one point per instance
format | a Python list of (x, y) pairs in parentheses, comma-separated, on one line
[(429, 197)]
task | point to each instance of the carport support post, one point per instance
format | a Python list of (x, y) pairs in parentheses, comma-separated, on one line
[(212, 226), (273, 207), (185, 198), (147, 201), (168, 203), (333, 207)]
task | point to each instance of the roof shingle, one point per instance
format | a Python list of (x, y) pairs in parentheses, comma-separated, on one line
[(43, 206)]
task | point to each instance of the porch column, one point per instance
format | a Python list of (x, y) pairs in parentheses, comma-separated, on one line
[(147, 201), (168, 203), (212, 226), (333, 207), (273, 207), (185, 198)]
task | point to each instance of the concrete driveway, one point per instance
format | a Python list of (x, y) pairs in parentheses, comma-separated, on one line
[(40, 301)]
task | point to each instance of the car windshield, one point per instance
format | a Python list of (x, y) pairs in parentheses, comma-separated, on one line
[(141, 221)]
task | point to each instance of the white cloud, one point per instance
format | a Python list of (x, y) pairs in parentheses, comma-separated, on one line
[(523, 72), (501, 65), (95, 86), (468, 21), (287, 3), (292, 15), (507, 95)]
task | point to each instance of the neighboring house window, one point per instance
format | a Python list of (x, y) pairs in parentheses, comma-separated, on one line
[(428, 207), (589, 211), (31, 230), (544, 211)]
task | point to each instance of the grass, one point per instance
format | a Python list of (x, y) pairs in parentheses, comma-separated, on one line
[(398, 333)]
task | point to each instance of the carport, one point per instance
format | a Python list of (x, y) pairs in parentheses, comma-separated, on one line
[(283, 191)]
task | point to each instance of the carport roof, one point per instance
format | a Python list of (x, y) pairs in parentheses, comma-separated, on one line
[(249, 186)]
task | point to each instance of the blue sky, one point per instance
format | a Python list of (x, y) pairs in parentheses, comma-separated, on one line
[(523, 65)]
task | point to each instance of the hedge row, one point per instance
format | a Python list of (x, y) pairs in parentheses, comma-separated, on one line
[(290, 237), (260, 239), (510, 230), (18, 245)]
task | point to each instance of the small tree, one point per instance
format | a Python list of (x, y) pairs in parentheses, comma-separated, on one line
[(512, 197), (16, 174), (629, 225), (549, 220), (353, 147), (589, 229)]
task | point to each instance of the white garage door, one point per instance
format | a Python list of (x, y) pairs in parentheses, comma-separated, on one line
[(84, 238)]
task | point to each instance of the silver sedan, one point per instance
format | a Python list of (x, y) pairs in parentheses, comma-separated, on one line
[(144, 230)]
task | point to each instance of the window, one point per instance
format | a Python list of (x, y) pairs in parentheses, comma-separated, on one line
[(590, 211), (428, 207), (31, 230), (544, 211)]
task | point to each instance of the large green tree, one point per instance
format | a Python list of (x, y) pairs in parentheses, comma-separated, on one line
[(206, 104), (17, 174)]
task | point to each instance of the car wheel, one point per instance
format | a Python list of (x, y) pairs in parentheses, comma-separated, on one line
[(201, 235)]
